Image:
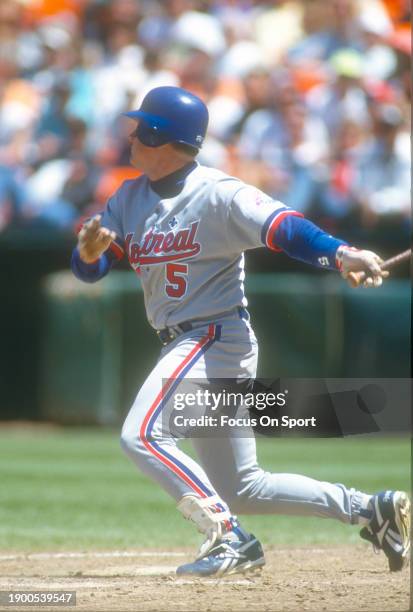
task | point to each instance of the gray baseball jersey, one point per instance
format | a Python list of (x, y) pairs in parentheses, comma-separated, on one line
[(188, 249)]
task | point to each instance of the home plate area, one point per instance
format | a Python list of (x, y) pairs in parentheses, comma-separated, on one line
[(326, 578)]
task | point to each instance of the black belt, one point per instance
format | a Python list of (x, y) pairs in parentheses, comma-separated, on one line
[(168, 334)]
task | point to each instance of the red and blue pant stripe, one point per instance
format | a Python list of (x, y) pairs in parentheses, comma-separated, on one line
[(156, 449)]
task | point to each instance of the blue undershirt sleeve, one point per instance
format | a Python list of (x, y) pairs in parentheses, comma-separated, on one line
[(91, 272), (303, 240)]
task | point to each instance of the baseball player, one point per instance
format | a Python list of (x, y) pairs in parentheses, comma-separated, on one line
[(184, 228)]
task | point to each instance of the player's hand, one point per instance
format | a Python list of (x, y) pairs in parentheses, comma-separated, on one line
[(93, 240), (355, 260)]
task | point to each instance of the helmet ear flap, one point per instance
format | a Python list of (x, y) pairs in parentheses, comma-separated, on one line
[(150, 135)]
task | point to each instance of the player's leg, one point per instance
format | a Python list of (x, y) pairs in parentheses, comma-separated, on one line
[(232, 467), (147, 439), (234, 472), (231, 464), (145, 434), (231, 461)]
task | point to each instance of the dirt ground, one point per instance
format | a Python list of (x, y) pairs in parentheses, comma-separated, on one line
[(339, 578)]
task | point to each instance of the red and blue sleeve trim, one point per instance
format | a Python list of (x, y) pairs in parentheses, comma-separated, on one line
[(90, 272), (271, 225), (117, 250), (303, 240)]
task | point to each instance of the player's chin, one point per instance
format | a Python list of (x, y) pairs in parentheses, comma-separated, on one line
[(134, 161)]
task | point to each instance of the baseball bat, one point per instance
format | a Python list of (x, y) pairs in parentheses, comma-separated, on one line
[(355, 279)]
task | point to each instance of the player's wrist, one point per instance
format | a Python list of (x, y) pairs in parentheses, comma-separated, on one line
[(340, 255), (87, 258)]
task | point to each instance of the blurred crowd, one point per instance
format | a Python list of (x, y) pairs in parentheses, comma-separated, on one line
[(309, 100)]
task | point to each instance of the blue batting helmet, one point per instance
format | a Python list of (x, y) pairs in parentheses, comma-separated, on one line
[(171, 114)]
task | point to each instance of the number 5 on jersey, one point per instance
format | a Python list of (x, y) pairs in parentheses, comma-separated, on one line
[(176, 275)]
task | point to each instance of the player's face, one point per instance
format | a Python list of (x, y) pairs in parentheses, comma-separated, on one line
[(138, 151), (155, 162)]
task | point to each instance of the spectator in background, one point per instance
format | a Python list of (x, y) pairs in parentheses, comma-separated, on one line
[(256, 95), (278, 27), (296, 160), (379, 60), (155, 28), (23, 45), (343, 97), (265, 124), (381, 186), (336, 209), (338, 30), (401, 79), (19, 109), (292, 86), (60, 188), (288, 146), (51, 134)]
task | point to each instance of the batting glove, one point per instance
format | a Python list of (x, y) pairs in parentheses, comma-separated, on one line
[(349, 259)]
